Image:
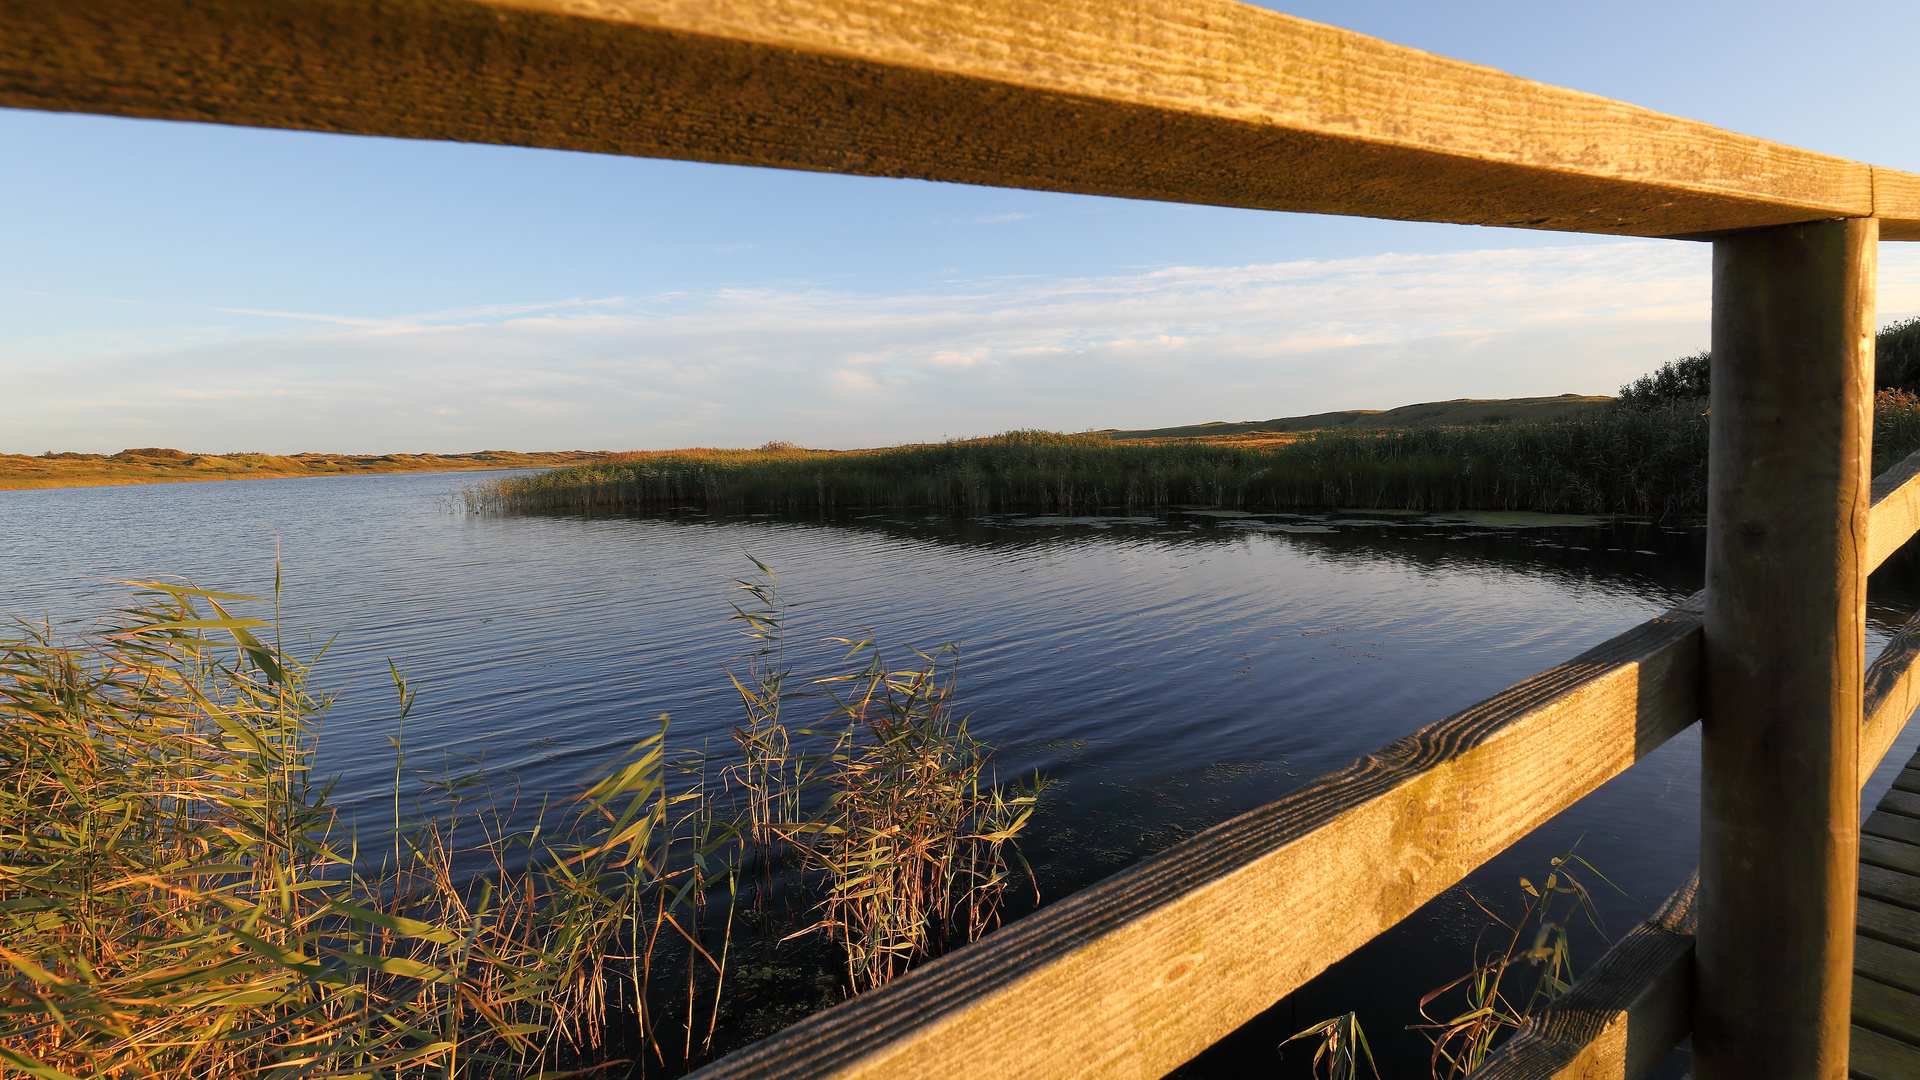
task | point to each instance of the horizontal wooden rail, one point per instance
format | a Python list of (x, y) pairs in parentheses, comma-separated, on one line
[(1134, 976), (1206, 101), (1895, 516), (1630, 1010)]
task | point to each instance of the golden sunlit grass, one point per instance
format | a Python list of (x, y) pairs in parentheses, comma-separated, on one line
[(179, 899)]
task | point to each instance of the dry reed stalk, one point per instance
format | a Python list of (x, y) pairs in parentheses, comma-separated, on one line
[(1490, 1010), (178, 898), (914, 840)]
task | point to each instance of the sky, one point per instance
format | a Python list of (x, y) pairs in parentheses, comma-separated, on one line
[(226, 289)]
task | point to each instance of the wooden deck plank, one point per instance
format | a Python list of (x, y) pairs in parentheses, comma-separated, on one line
[(1886, 963), (1890, 887), (1908, 779), (1903, 803), (1892, 827), (1890, 923), (1891, 854), (1888, 1010), (1206, 101), (1877, 1057)]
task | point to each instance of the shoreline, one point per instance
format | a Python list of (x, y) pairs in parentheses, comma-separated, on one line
[(19, 472)]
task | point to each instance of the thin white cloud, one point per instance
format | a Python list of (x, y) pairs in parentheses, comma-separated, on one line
[(739, 366)]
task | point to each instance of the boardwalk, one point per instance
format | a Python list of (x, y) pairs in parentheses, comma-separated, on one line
[(1223, 103), (1886, 957)]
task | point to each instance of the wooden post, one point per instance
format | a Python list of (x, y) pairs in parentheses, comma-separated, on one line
[(1793, 320)]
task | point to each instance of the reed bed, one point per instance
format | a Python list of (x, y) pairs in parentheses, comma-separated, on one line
[(179, 899), (1628, 461)]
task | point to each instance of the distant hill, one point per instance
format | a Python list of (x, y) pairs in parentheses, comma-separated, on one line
[(1458, 412)]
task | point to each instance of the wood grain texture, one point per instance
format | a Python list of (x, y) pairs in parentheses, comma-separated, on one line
[(1891, 827), (1133, 976), (1905, 803), (1889, 886), (1206, 101), (1890, 923), (1623, 1016), (1896, 510), (1896, 202), (1876, 1057), (1888, 1010), (1783, 654), (1891, 854), (1889, 964)]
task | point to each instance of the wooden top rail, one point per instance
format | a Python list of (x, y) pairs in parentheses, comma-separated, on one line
[(1205, 101)]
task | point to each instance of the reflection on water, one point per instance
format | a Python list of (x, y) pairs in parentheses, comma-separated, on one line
[(1166, 672)]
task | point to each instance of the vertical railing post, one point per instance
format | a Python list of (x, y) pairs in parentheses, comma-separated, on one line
[(1791, 430)]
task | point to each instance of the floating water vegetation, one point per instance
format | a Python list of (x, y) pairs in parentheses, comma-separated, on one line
[(1626, 461)]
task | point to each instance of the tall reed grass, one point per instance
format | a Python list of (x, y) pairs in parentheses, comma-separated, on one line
[(1636, 461), (180, 899), (886, 800)]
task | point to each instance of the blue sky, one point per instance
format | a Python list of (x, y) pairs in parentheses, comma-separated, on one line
[(221, 289)]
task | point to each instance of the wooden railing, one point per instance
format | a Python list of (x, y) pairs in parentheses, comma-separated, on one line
[(1216, 102)]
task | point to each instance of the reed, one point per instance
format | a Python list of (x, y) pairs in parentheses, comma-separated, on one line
[(915, 841), (179, 899), (1491, 1005), (1643, 461), (886, 801)]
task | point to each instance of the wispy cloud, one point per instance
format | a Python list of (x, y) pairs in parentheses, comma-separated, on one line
[(740, 366)]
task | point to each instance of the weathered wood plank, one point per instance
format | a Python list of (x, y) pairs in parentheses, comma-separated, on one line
[(1892, 827), (1904, 803), (1908, 779), (1135, 975), (1890, 923), (1876, 1057), (1788, 494), (1896, 510), (1886, 963), (1890, 886), (1623, 1016), (1205, 101), (1891, 854), (1896, 202), (1885, 1009)]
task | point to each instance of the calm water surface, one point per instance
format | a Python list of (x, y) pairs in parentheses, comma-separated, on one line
[(1165, 672)]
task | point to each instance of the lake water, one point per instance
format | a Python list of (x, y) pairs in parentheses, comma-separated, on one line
[(1164, 672)]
